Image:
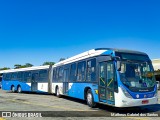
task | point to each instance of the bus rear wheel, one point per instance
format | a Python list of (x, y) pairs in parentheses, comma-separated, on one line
[(19, 89), (13, 88), (90, 99)]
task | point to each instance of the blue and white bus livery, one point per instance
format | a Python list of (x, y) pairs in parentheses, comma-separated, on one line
[(120, 78), (115, 77), (31, 79)]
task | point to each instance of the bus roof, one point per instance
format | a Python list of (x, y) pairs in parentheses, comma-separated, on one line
[(122, 50), (95, 52), (25, 69), (81, 56)]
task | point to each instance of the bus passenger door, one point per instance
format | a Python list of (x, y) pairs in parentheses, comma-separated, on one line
[(106, 82), (65, 81), (34, 82), (110, 82)]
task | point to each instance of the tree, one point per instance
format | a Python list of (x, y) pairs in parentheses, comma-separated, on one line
[(61, 59), (48, 63), (16, 66), (5, 68), (28, 65)]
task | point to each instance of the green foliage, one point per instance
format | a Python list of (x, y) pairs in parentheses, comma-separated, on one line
[(5, 68), (48, 63), (28, 65), (16, 66), (61, 59)]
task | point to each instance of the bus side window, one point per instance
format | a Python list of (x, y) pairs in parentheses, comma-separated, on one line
[(43, 76), (73, 72), (8, 76), (57, 71), (60, 76), (81, 71), (43, 73), (27, 77), (4, 76), (54, 74), (20, 76), (91, 70), (13, 76)]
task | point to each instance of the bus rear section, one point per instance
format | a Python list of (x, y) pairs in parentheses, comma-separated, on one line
[(32, 79)]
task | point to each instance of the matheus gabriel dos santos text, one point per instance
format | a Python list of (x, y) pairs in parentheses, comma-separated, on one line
[(134, 114)]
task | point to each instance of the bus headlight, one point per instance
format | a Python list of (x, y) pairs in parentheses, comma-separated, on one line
[(126, 93)]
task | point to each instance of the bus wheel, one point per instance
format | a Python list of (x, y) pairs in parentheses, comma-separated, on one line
[(90, 99), (57, 92), (13, 88), (19, 89)]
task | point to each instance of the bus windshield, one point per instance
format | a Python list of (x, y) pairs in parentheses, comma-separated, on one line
[(137, 75)]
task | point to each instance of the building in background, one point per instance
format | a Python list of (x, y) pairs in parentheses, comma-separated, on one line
[(156, 65)]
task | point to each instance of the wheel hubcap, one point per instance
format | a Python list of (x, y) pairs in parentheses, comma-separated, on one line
[(19, 89), (89, 98), (12, 89)]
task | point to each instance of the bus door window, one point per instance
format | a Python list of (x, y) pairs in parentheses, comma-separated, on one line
[(65, 80), (35, 77), (102, 74), (110, 81), (65, 75), (102, 80), (34, 82)]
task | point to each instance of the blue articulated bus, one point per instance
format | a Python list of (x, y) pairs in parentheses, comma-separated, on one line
[(115, 77)]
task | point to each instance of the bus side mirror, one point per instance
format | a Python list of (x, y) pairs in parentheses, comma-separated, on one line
[(117, 58), (119, 65)]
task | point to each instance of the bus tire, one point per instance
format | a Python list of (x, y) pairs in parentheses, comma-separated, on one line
[(13, 88), (90, 99), (57, 92), (19, 89)]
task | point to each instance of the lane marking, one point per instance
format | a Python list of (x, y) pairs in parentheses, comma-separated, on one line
[(137, 118), (2, 118), (64, 108)]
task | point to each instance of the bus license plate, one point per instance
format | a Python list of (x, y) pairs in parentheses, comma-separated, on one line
[(145, 101)]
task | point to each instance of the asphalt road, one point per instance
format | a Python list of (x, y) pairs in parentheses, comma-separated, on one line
[(43, 106)]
